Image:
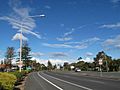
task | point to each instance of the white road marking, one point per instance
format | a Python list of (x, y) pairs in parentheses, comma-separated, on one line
[(49, 82), (96, 81), (86, 88)]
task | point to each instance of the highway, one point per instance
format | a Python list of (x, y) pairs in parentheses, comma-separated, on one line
[(62, 81)]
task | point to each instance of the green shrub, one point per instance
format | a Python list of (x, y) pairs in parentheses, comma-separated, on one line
[(20, 75), (7, 81)]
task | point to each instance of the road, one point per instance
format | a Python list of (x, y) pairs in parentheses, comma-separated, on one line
[(63, 81)]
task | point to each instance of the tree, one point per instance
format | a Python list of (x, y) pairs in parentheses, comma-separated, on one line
[(26, 54), (115, 65), (79, 58), (2, 62), (43, 67), (55, 66), (66, 66), (10, 54), (49, 65), (105, 59), (80, 65)]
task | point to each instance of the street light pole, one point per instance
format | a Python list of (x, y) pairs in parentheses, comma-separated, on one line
[(20, 62), (20, 49)]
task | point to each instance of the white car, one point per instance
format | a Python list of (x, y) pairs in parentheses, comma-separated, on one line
[(77, 70)]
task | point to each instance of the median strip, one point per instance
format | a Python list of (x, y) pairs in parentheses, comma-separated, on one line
[(83, 87), (49, 82)]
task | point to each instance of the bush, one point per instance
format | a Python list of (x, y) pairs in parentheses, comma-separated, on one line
[(7, 81), (20, 75)]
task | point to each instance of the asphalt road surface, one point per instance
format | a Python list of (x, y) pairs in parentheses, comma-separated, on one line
[(62, 81)]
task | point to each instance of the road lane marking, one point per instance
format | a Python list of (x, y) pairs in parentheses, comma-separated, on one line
[(96, 81), (83, 87), (49, 82)]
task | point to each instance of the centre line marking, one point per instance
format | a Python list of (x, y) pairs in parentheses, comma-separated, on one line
[(49, 82), (69, 82)]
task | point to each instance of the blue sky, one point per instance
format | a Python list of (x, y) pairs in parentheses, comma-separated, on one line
[(71, 28)]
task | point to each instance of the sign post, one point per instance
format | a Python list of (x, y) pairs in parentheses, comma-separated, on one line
[(100, 63), (20, 64)]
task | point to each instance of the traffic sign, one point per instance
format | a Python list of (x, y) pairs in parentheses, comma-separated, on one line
[(20, 64), (100, 62)]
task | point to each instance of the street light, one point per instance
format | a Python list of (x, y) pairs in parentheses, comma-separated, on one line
[(20, 62)]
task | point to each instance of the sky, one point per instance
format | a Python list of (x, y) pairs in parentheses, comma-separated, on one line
[(69, 30)]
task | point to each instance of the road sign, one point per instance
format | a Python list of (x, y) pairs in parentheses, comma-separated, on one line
[(100, 62), (20, 64)]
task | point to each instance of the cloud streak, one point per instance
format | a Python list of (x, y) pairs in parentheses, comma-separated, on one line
[(111, 26), (17, 36), (53, 61), (64, 39), (67, 35), (115, 1), (21, 20), (36, 54), (113, 42), (59, 54), (88, 54), (74, 45)]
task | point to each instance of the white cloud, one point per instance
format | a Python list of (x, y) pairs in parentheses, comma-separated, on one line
[(21, 19), (113, 42), (80, 27), (87, 41), (64, 39), (53, 61), (92, 39), (1, 52), (62, 25), (47, 7), (87, 59), (82, 46), (30, 32), (14, 3), (59, 54), (69, 33), (57, 45), (115, 1), (36, 54), (65, 46), (74, 45), (66, 36), (89, 54), (18, 36), (23, 12), (111, 26)]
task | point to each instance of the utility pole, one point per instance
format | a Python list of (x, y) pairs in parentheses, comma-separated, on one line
[(100, 63)]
